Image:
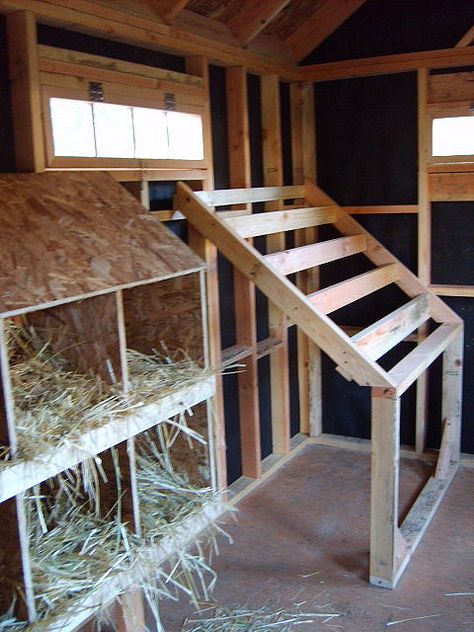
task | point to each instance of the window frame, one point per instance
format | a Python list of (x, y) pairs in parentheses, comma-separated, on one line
[(446, 110), (114, 164)]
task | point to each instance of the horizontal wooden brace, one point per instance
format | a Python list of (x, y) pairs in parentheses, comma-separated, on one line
[(312, 255), (387, 332), (387, 64), (224, 197), (336, 296), (272, 222), (267, 346), (415, 363)]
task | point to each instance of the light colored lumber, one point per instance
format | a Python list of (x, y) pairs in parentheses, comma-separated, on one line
[(325, 18), (412, 366), (380, 256), (20, 476), (420, 515), (267, 346), (280, 290), (304, 257), (107, 21), (340, 294), (272, 153), (451, 406), (252, 17), (453, 290), (387, 64), (387, 332), (382, 209), (424, 244), (25, 92), (274, 222), (169, 77), (451, 187), (449, 87), (244, 290), (234, 354), (224, 197), (467, 39), (303, 148), (384, 489)]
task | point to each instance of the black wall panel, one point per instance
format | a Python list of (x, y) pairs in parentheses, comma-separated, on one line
[(7, 158)]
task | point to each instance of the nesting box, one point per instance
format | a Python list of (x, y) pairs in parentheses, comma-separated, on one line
[(100, 279)]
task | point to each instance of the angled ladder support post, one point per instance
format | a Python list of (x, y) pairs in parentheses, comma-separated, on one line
[(392, 544)]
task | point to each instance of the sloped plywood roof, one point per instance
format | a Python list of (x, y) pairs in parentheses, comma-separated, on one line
[(74, 234)]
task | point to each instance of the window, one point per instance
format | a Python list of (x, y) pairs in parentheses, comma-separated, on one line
[(84, 129), (453, 136)]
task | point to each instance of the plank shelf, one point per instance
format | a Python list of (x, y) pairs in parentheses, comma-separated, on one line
[(18, 477)]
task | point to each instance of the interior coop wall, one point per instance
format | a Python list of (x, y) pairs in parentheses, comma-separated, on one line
[(367, 154)]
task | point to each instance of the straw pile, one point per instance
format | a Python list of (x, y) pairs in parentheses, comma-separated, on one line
[(55, 404)]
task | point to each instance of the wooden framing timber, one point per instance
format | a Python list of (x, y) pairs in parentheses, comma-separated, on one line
[(244, 291), (277, 322), (113, 23), (388, 64), (391, 545)]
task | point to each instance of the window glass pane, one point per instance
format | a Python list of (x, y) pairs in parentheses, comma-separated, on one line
[(73, 132), (453, 136), (185, 136), (113, 130), (151, 137)]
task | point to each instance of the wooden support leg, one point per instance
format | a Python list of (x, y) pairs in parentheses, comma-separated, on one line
[(451, 407), (384, 533)]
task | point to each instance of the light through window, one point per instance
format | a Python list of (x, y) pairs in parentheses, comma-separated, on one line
[(105, 130), (453, 136)]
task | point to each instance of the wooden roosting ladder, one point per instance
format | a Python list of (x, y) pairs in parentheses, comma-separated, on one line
[(391, 545)]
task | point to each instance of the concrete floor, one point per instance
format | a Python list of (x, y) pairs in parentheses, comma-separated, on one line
[(303, 536)]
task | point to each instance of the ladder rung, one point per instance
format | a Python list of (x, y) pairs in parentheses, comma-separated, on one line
[(267, 346), (234, 354), (312, 255), (270, 222), (387, 332), (226, 197), (415, 363), (336, 296)]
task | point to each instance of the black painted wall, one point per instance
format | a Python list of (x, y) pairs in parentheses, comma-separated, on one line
[(367, 154)]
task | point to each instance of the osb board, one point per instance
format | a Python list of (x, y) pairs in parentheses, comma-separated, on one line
[(66, 235), (292, 17), (85, 333), (168, 312), (11, 574)]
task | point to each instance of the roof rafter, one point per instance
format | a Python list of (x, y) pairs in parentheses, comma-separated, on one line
[(168, 9), (253, 16), (467, 39), (327, 17)]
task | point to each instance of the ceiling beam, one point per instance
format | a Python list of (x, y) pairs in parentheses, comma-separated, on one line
[(327, 17), (388, 64), (467, 39), (253, 16), (168, 9)]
